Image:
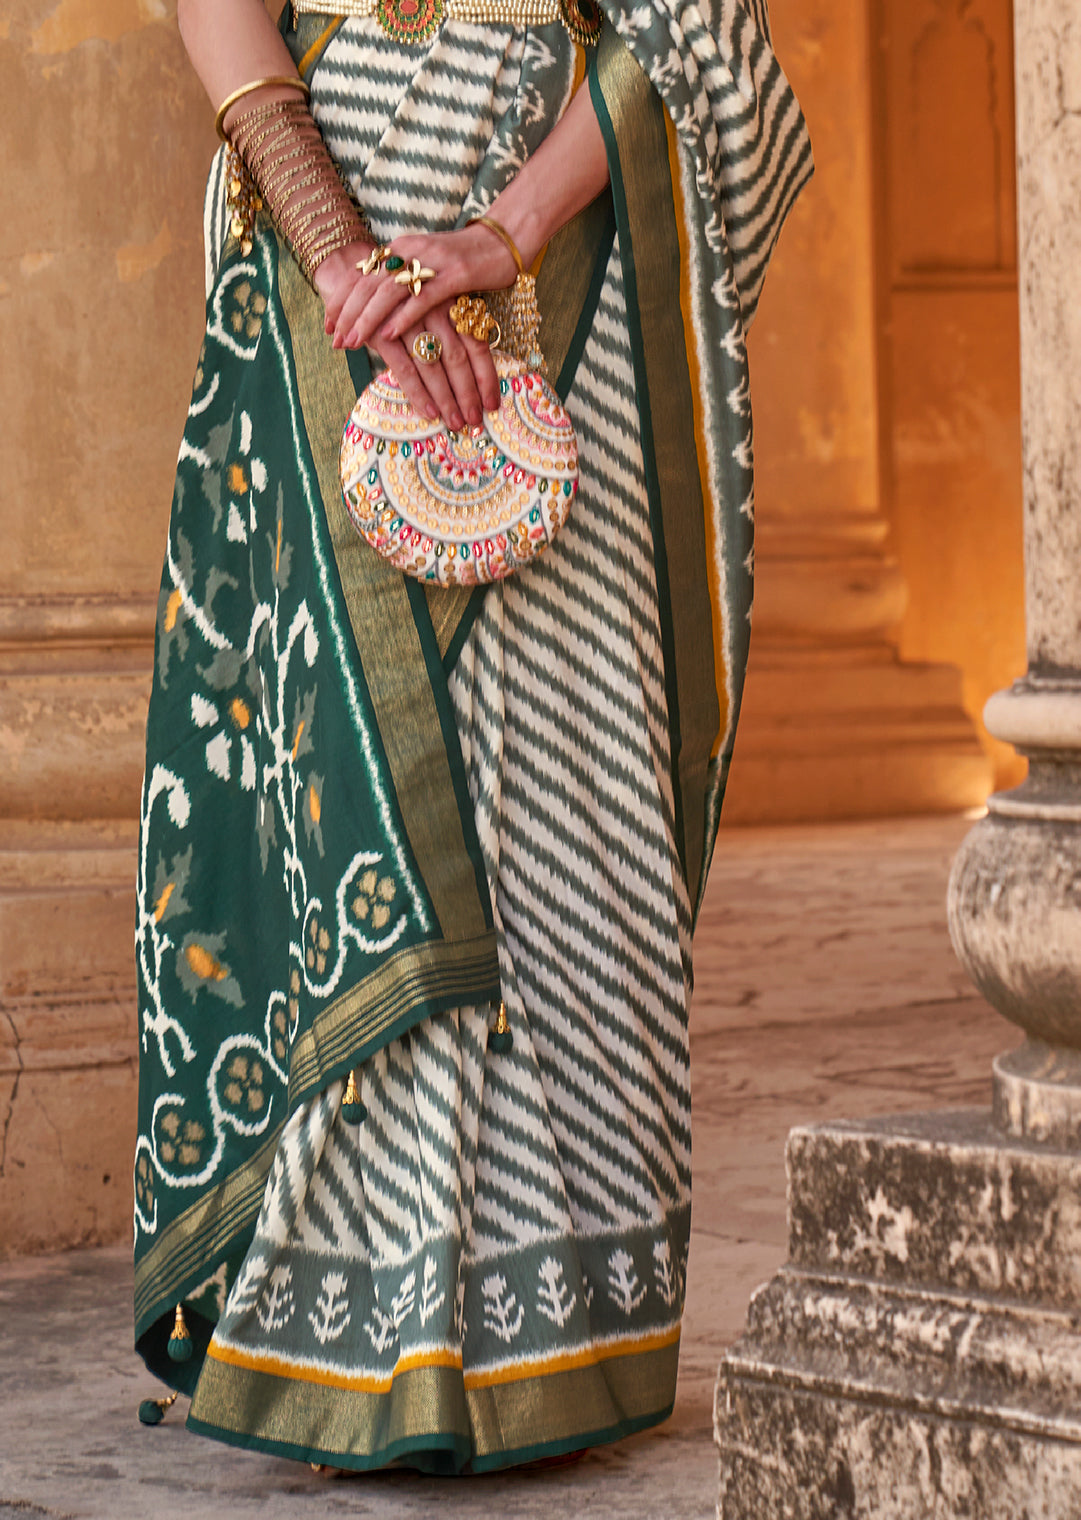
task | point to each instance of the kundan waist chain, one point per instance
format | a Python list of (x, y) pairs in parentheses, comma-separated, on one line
[(416, 21)]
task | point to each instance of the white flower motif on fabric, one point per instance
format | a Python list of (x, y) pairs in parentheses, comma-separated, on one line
[(663, 1272), (503, 1314), (401, 1306), (624, 1288), (278, 1304), (248, 1286), (554, 1299), (430, 1302), (381, 1331), (331, 1315)]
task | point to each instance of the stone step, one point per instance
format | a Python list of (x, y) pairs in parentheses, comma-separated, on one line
[(941, 1200), (950, 1356), (794, 1452)]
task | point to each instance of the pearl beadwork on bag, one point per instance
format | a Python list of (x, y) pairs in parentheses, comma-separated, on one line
[(461, 508)]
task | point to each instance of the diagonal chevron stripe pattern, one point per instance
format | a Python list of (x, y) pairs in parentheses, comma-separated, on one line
[(509, 1218), (532, 1205)]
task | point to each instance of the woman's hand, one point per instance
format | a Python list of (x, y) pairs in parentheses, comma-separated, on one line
[(564, 174), (374, 310)]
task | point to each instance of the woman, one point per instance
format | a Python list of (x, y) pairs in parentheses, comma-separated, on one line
[(439, 852)]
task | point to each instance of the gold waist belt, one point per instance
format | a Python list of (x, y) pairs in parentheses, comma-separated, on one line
[(416, 21)]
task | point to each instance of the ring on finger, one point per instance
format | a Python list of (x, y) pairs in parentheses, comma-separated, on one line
[(381, 256), (413, 275), (472, 319), (427, 348)]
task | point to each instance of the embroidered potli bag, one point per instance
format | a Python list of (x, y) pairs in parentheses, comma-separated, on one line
[(460, 508)]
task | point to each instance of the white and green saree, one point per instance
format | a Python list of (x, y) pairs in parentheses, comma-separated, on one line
[(373, 811)]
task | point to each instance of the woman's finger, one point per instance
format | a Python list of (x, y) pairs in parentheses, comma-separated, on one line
[(386, 297), (484, 373), (400, 361), (374, 297), (441, 290), (439, 388), (451, 380), (352, 308), (459, 370)]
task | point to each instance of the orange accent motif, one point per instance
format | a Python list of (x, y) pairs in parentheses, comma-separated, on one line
[(240, 712), (204, 965), (172, 607), (163, 901)]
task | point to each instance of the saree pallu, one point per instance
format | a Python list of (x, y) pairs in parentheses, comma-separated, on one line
[(371, 812)]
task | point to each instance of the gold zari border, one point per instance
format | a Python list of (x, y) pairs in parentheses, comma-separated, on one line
[(599, 1389)]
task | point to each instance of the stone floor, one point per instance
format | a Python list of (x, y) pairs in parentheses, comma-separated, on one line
[(826, 987)]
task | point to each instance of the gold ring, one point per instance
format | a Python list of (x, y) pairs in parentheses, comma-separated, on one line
[(414, 275), (472, 319), (427, 348), (377, 256)]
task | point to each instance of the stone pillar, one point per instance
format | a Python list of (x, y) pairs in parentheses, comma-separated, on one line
[(105, 140), (919, 1357), (1015, 897), (834, 723)]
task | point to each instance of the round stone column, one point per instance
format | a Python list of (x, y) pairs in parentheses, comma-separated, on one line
[(1015, 893)]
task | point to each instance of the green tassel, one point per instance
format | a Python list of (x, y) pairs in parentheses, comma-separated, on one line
[(180, 1341), (353, 1110), (152, 1411), (500, 1038)]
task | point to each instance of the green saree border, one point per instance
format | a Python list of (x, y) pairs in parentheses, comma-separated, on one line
[(415, 983), (207, 1231), (432, 1409), (632, 121)]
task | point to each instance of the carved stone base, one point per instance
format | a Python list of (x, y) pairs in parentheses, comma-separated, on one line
[(919, 1358)]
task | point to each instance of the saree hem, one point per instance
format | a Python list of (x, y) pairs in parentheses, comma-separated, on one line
[(435, 1408)]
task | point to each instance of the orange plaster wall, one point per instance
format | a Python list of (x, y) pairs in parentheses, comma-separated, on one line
[(950, 344), (885, 356), (106, 140)]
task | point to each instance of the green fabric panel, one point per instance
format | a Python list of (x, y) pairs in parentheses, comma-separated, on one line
[(649, 244), (397, 675), (309, 38), (568, 287)]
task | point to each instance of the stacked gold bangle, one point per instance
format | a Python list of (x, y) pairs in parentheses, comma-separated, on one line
[(278, 159)]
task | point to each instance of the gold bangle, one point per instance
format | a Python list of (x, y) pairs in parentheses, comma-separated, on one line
[(500, 232), (289, 81)]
